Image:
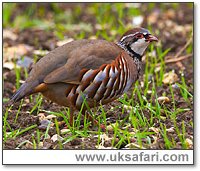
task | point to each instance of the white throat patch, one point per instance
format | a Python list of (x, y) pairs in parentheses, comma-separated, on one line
[(139, 46)]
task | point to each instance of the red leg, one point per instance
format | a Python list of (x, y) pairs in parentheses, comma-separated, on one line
[(71, 119), (95, 122)]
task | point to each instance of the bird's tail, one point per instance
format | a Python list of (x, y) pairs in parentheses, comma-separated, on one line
[(20, 93), (25, 90)]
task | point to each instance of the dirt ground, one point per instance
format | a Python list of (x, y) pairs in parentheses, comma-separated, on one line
[(36, 39)]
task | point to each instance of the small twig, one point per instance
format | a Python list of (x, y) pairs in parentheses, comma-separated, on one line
[(176, 59), (183, 48), (178, 63)]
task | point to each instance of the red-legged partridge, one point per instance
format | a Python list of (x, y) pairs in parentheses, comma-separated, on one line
[(96, 71)]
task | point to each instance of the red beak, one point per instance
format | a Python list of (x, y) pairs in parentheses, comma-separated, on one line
[(152, 38)]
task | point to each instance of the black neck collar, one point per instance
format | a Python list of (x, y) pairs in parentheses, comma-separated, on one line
[(134, 53), (128, 49)]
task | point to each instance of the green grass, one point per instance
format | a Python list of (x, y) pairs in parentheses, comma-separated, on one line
[(142, 107), (37, 105)]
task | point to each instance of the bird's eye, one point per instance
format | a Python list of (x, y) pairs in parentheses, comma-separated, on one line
[(146, 36), (139, 36)]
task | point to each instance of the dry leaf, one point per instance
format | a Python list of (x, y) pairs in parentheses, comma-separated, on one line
[(156, 130), (189, 142), (170, 78), (29, 145), (49, 117), (134, 146), (41, 144), (171, 130), (63, 131), (163, 99), (16, 51), (9, 65), (104, 137), (102, 147), (56, 137), (41, 116), (9, 35), (109, 128)]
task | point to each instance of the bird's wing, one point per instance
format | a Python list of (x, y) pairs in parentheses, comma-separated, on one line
[(65, 64), (85, 59)]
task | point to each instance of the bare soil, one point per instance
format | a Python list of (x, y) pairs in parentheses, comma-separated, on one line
[(46, 40)]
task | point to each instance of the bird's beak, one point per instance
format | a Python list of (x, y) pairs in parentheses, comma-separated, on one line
[(152, 38)]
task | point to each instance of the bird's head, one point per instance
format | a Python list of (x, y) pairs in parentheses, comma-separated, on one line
[(136, 41)]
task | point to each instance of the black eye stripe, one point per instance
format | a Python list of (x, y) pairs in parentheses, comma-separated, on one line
[(140, 35), (146, 36)]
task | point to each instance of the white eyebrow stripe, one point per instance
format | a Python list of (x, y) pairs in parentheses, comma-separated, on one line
[(144, 33), (128, 36)]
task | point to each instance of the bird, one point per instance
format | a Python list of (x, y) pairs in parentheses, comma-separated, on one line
[(93, 72)]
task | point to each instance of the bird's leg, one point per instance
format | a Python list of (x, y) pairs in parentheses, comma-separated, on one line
[(90, 118), (94, 121), (71, 119)]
